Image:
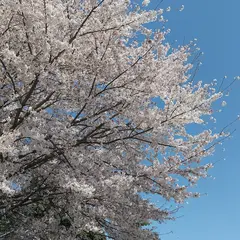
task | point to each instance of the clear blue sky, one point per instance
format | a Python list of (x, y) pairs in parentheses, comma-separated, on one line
[(216, 25)]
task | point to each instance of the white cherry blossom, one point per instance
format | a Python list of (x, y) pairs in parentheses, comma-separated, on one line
[(81, 136)]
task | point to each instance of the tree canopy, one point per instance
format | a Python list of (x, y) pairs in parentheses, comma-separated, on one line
[(82, 135)]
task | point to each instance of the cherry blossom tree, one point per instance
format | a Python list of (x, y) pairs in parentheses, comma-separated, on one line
[(82, 135)]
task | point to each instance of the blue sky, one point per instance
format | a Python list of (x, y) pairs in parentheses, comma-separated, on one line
[(215, 23)]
